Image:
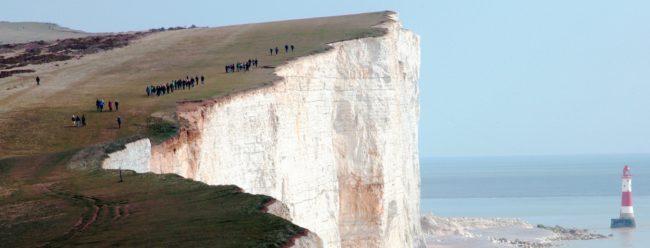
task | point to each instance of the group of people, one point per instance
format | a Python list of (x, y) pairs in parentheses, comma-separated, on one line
[(241, 66), (286, 49), (180, 84), (79, 121), (100, 103)]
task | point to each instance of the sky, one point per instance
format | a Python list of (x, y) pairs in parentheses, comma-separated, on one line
[(498, 78)]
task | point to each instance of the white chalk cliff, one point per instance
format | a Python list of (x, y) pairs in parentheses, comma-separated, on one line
[(335, 140)]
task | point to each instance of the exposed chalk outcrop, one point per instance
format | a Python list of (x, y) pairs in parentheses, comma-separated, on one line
[(305, 239), (278, 208), (308, 240), (335, 140), (134, 157)]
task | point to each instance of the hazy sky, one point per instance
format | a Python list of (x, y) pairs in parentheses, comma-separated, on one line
[(498, 77)]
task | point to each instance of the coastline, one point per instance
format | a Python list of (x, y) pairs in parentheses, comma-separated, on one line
[(441, 232), (570, 191)]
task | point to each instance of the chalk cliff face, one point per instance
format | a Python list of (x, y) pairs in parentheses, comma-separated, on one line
[(335, 140)]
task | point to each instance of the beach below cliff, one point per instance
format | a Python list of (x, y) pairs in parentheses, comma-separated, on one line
[(496, 232), (481, 232)]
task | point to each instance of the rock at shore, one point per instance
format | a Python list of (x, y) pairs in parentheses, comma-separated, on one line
[(495, 232), (572, 233)]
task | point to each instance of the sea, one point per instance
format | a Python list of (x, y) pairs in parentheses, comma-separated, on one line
[(578, 191)]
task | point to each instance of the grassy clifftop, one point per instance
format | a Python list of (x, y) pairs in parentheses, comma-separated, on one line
[(43, 202), (38, 117)]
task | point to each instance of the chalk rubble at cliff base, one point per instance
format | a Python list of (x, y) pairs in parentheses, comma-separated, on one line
[(495, 232)]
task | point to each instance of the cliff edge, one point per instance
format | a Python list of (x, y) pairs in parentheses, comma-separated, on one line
[(334, 139)]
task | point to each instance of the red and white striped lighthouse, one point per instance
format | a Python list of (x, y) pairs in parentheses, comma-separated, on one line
[(627, 211)]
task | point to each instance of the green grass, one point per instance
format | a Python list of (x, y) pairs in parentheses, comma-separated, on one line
[(164, 210), (159, 130)]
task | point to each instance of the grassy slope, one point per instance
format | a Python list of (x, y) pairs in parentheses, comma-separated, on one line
[(39, 116), (48, 199), (41, 200)]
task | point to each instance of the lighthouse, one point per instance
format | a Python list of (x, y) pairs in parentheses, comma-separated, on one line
[(627, 211)]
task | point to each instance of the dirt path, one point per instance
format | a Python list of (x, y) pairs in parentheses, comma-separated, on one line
[(97, 211)]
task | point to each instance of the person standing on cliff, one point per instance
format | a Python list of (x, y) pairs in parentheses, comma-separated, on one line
[(119, 122), (271, 51), (117, 105), (286, 48), (291, 47), (38, 80), (276, 50), (83, 120)]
